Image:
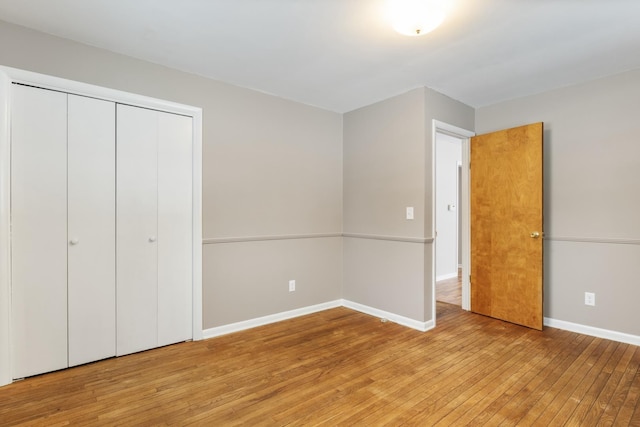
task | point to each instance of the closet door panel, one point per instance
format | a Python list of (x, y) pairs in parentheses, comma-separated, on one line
[(39, 230), (137, 233), (91, 229), (174, 228)]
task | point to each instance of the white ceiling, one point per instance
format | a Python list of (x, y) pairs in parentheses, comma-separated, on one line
[(342, 54)]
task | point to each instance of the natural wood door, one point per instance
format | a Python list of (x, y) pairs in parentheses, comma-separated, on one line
[(506, 225)]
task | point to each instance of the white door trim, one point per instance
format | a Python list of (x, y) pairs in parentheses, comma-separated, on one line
[(12, 75), (464, 135), (5, 233)]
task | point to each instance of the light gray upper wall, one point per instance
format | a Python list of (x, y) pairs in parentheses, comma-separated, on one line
[(591, 176), (592, 147), (276, 169), (384, 152), (270, 166)]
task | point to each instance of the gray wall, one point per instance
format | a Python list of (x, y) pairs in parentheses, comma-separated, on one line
[(388, 151), (592, 201), (270, 167), (384, 173)]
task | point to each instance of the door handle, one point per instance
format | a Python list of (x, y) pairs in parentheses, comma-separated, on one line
[(74, 241), (152, 239), (535, 234)]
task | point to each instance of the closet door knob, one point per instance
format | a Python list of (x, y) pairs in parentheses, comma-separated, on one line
[(152, 239), (74, 241)]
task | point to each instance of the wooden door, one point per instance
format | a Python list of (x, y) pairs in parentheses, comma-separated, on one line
[(136, 229), (506, 225), (38, 230), (91, 229)]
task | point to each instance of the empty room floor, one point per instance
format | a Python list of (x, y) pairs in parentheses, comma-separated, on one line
[(342, 367)]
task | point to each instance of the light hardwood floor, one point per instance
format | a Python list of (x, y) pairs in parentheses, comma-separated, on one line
[(341, 367)]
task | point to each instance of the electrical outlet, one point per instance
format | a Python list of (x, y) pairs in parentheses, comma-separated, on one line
[(292, 285), (589, 298), (409, 212)]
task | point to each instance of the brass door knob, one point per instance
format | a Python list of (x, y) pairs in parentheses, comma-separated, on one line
[(535, 234)]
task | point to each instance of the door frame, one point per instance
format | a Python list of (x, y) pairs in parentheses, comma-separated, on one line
[(465, 136), (8, 76)]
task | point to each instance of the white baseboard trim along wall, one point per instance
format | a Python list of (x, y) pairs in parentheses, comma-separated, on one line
[(592, 331), (396, 318), (446, 276), (265, 320), (273, 318), (401, 320)]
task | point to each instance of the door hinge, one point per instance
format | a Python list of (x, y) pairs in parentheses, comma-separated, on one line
[(469, 279)]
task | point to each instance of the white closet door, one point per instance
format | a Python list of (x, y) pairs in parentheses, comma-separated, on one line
[(38, 230), (174, 228), (91, 229), (137, 229)]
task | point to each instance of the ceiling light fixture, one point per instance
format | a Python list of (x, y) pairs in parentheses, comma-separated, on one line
[(416, 17)]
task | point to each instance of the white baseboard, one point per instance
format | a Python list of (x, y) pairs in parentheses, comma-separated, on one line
[(260, 321), (592, 331), (404, 321), (446, 276), (396, 318)]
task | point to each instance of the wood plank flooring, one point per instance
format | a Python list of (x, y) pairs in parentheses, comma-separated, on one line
[(344, 368)]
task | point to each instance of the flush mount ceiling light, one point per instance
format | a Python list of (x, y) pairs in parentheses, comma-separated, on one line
[(416, 17)]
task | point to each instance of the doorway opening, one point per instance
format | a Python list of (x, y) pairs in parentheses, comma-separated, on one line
[(447, 208), (450, 215)]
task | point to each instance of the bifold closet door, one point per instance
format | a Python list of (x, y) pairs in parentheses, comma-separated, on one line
[(175, 219), (137, 229), (91, 229), (101, 216), (38, 230), (154, 229), (63, 230)]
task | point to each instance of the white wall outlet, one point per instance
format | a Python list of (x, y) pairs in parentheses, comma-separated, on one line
[(409, 212), (292, 285), (589, 298)]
